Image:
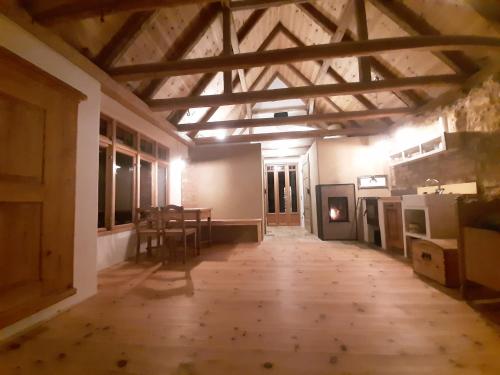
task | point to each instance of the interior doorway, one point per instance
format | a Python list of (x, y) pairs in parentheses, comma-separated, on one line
[(282, 195), (306, 189)]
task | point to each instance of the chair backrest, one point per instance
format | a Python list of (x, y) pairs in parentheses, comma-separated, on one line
[(173, 216), (147, 218)]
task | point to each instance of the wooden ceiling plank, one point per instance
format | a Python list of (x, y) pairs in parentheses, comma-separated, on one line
[(226, 46), (364, 131), (414, 24), (205, 80), (410, 98), (123, 39), (160, 105), (259, 4), (184, 44), (296, 54), (362, 31), (336, 38), (297, 120), (291, 108)]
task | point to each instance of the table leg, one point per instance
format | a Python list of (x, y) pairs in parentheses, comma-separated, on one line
[(198, 229), (210, 230)]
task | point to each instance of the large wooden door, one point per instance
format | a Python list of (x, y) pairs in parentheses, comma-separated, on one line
[(282, 206), (306, 189), (393, 226), (38, 116)]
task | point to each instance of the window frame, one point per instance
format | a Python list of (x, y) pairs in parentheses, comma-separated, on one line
[(112, 147)]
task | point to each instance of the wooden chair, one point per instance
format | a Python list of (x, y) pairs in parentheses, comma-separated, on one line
[(147, 224), (174, 226)]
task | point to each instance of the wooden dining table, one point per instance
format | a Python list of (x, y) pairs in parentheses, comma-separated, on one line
[(197, 215)]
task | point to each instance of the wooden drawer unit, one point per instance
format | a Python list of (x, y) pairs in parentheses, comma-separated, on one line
[(437, 260)]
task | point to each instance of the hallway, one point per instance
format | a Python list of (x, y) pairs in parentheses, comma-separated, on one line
[(291, 305)]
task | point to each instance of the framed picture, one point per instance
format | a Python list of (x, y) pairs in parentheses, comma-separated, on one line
[(372, 182)]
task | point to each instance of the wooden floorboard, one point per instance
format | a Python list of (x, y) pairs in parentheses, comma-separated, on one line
[(291, 305)]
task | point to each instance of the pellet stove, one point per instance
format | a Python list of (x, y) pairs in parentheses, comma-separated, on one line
[(336, 210)]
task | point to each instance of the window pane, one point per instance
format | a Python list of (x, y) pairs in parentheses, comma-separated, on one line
[(147, 147), (270, 193), (162, 186), (162, 153), (281, 190), (145, 184), (124, 173), (103, 127), (293, 187), (101, 205), (124, 137)]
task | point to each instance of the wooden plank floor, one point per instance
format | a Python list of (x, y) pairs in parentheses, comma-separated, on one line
[(291, 305)]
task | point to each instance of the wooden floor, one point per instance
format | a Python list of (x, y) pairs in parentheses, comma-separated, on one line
[(292, 305)]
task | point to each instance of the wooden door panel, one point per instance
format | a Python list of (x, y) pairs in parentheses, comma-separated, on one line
[(38, 116), (20, 229)]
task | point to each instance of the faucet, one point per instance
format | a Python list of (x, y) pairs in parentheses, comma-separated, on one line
[(439, 189)]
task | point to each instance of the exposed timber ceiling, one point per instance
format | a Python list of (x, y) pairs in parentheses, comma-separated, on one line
[(323, 60)]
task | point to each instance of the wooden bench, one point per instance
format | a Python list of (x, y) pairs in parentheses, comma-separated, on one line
[(234, 230)]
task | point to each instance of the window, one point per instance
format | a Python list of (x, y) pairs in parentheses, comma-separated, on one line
[(130, 175), (124, 188), (101, 210), (162, 186), (145, 185), (292, 176)]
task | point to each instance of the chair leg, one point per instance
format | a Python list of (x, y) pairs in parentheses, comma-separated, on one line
[(138, 248), (149, 246), (185, 249), (195, 250)]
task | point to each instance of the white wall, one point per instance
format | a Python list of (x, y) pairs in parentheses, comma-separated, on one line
[(17, 40)]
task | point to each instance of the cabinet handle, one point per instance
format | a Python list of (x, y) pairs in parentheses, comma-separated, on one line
[(426, 256)]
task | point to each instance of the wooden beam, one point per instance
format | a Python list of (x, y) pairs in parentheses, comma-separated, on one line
[(203, 83), (293, 108), (336, 38), (410, 98), (67, 11), (160, 105), (226, 46), (489, 9), (297, 120), (183, 44), (362, 31), (123, 39), (349, 132), (415, 24), (284, 56)]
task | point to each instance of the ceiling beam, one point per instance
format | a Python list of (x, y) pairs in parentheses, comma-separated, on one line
[(262, 137), (284, 56), (160, 105), (415, 24), (362, 31), (75, 10), (205, 80), (336, 38), (489, 9), (184, 44), (297, 120), (410, 98), (123, 39)]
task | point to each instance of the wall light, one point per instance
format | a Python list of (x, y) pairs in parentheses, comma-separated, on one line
[(220, 134), (332, 136), (178, 164)]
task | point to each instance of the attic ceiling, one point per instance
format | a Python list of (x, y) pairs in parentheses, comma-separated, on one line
[(162, 31)]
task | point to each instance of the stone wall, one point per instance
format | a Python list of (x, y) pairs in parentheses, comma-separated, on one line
[(475, 156)]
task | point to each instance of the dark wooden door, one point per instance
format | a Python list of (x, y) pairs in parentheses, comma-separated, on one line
[(393, 226)]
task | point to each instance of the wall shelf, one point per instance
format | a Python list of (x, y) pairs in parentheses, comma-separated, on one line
[(419, 151)]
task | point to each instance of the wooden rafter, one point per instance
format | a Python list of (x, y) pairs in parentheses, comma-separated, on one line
[(184, 44), (75, 10), (414, 24), (336, 38), (123, 39), (284, 56), (160, 105), (364, 131), (410, 97), (362, 32), (205, 80), (294, 120)]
